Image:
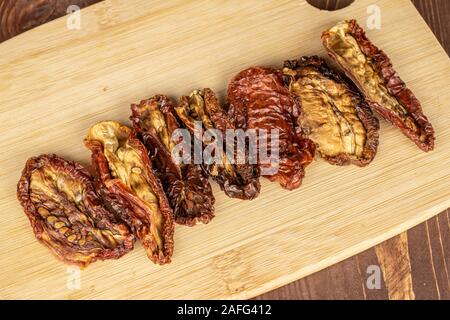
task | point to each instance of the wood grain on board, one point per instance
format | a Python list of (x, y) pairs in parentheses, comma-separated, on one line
[(412, 265)]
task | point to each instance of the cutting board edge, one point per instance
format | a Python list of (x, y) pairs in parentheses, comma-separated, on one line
[(343, 255)]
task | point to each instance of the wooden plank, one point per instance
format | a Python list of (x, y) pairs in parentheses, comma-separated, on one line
[(58, 87), (393, 256)]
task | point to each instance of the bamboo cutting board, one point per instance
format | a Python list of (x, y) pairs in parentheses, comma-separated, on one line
[(55, 83)]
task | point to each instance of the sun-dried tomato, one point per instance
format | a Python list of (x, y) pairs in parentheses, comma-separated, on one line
[(372, 71), (333, 113), (130, 186), (259, 100), (66, 213), (237, 180), (186, 185)]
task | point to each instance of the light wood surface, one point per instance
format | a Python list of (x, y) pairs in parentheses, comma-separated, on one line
[(55, 83)]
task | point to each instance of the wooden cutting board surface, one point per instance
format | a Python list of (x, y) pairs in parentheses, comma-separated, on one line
[(55, 83)]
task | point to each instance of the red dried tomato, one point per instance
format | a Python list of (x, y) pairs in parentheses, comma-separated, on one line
[(332, 112), (372, 71), (259, 100), (186, 185), (66, 213), (127, 182), (237, 180)]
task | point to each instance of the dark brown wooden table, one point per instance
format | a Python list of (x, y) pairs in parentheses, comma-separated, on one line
[(412, 265)]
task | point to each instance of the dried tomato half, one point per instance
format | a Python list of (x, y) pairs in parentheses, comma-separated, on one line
[(259, 100), (186, 185), (372, 71), (333, 113), (237, 180), (67, 215), (131, 188)]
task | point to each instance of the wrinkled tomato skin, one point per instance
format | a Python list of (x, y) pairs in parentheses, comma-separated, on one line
[(259, 99), (127, 204), (238, 180), (413, 123), (77, 229), (332, 112), (186, 185)]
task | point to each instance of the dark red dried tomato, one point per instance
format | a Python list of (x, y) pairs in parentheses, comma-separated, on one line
[(237, 180), (66, 213), (186, 185), (332, 112), (372, 71), (259, 100), (129, 185)]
